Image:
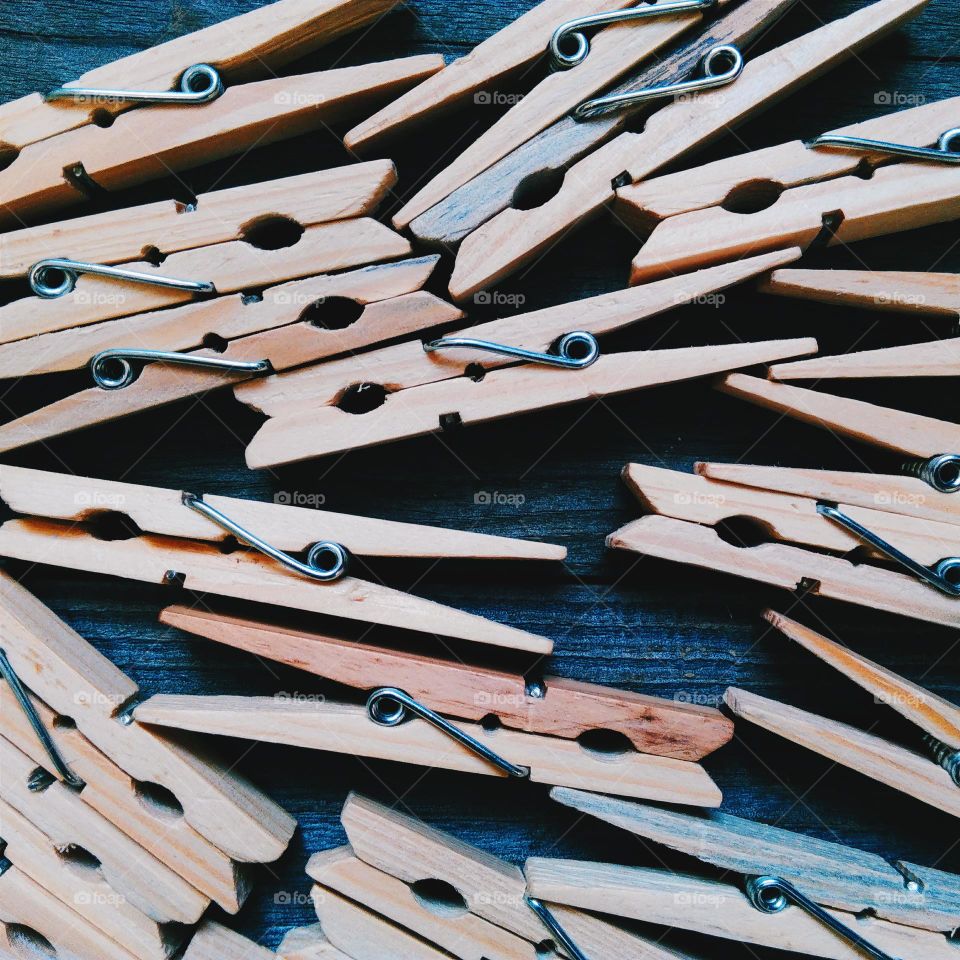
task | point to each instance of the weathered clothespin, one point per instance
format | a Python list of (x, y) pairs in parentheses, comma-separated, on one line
[(797, 894), (514, 236), (180, 538), (472, 376), (687, 509)]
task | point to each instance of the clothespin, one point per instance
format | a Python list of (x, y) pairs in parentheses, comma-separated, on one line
[(531, 169), (621, 39), (224, 268), (389, 879), (797, 894), (514, 236), (928, 294), (686, 509), (76, 882), (934, 780), (801, 194), (34, 919), (212, 941), (237, 49), (552, 706), (935, 442), (74, 680), (68, 167), (181, 533), (291, 325), (468, 377)]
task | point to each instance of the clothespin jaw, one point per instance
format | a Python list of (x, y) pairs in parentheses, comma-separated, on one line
[(513, 237), (213, 941)]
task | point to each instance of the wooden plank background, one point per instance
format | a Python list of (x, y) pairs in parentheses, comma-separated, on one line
[(649, 626)]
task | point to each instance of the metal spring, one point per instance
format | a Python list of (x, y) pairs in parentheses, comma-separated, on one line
[(119, 358), (70, 270), (553, 925), (941, 472), (948, 757), (189, 92)]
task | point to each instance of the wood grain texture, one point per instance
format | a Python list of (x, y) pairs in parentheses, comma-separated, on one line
[(650, 626)]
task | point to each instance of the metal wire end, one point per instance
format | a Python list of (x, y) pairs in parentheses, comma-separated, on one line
[(390, 707), (553, 925), (112, 369), (573, 351), (574, 29), (941, 472), (65, 272), (336, 555), (722, 65), (774, 894), (43, 735), (199, 84), (943, 152)]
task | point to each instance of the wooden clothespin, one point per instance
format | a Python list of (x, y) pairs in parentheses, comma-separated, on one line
[(797, 894), (445, 385), (391, 855), (934, 780), (65, 169), (798, 194), (181, 533), (238, 49), (380, 730), (833, 874), (222, 268), (34, 921), (583, 67), (910, 433), (77, 883), (560, 145), (169, 226), (494, 61), (687, 508), (514, 236), (926, 294), (69, 676), (553, 706), (907, 495), (293, 324), (213, 941)]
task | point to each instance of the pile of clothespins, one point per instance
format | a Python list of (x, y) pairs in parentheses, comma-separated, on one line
[(118, 831)]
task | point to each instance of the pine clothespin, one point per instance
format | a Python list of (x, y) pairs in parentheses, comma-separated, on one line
[(686, 510), (472, 375)]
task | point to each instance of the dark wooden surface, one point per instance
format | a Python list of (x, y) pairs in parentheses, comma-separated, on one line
[(648, 626)]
